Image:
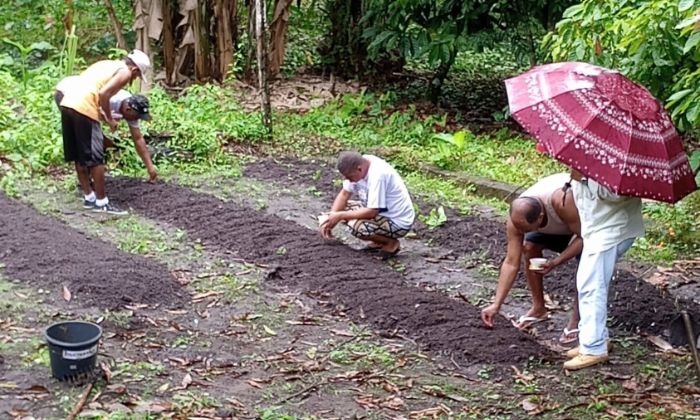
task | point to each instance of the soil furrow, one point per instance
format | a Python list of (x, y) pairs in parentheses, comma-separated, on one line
[(46, 253), (434, 322)]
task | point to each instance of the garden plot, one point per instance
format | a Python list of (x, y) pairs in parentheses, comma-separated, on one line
[(364, 288), (44, 253), (230, 347), (635, 305), (280, 341)]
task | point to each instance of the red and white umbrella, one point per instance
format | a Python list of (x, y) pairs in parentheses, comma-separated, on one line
[(604, 125)]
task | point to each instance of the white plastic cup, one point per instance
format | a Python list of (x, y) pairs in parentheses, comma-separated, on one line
[(537, 263)]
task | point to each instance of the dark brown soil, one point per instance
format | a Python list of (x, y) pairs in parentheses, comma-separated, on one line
[(367, 290), (46, 253), (635, 305)]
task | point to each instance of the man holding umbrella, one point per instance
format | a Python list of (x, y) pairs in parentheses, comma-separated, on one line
[(609, 225), (621, 146)]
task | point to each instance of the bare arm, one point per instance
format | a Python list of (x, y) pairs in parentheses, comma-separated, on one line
[(118, 81), (511, 264), (143, 152), (341, 200), (508, 273)]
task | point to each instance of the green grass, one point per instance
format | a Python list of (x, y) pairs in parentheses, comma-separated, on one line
[(206, 118)]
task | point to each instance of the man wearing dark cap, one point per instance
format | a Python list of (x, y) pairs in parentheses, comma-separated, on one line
[(123, 106), (84, 103)]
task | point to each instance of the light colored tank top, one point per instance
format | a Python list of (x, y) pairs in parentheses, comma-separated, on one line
[(82, 94), (543, 189)]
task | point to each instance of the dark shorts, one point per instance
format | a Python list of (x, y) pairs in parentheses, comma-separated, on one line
[(82, 139), (556, 243)]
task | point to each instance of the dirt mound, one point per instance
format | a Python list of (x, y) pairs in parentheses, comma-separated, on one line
[(633, 304), (364, 288), (46, 253)]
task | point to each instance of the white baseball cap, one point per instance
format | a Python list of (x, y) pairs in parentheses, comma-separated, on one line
[(141, 60)]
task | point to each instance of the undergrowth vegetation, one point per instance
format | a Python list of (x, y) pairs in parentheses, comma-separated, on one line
[(189, 134)]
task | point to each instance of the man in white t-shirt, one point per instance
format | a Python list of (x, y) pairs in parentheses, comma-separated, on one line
[(383, 212), (124, 106)]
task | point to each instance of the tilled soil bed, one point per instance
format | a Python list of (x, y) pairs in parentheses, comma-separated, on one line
[(366, 289), (633, 304), (46, 253)]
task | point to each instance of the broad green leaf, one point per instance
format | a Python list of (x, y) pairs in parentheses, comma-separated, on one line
[(691, 42), (684, 5), (571, 11), (378, 42), (459, 138), (695, 160), (41, 46), (689, 21), (678, 95)]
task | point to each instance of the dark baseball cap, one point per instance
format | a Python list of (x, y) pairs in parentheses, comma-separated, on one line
[(139, 104)]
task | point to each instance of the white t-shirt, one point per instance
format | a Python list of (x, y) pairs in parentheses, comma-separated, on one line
[(115, 102), (382, 188)]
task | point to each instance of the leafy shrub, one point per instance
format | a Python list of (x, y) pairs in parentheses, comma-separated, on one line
[(654, 42)]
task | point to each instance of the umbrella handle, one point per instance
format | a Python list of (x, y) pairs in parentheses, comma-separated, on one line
[(692, 340)]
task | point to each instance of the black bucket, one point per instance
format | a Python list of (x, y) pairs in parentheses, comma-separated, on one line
[(73, 349)]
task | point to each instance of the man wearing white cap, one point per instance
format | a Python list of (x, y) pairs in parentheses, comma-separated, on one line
[(85, 102), (124, 106)]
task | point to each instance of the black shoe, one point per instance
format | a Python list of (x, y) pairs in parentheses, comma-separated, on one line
[(89, 205), (110, 208)]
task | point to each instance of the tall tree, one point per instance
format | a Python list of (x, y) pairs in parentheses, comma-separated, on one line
[(278, 35), (116, 25), (262, 51)]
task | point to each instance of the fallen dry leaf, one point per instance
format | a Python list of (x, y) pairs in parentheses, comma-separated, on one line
[(269, 330), (664, 345), (39, 389), (254, 384), (67, 296), (434, 412), (342, 333), (186, 381), (106, 371), (658, 279), (689, 389), (163, 388), (529, 405)]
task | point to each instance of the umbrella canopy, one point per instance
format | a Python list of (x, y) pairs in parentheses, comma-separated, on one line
[(604, 125)]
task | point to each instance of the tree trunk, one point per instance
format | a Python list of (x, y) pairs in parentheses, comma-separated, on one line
[(143, 43), (68, 17), (223, 10), (118, 32), (262, 65), (168, 43), (250, 54), (278, 35), (440, 76), (202, 48)]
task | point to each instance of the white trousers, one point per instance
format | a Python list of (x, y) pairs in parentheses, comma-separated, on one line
[(593, 277)]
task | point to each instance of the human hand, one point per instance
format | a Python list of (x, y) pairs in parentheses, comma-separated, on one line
[(152, 175), (326, 231), (547, 267), (488, 313), (112, 125)]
